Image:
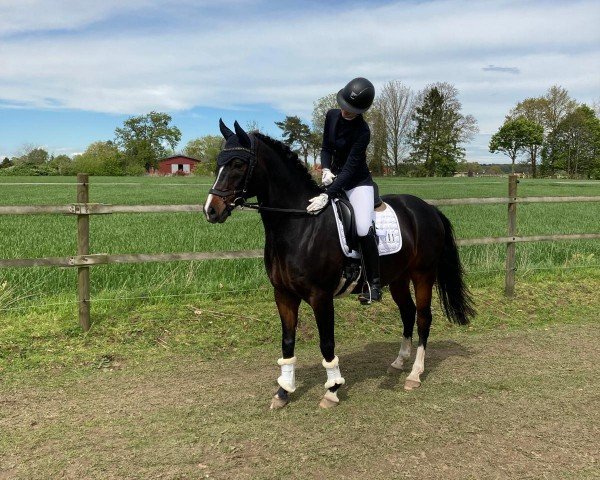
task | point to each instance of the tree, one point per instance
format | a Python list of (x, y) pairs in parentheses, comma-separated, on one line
[(574, 146), (253, 126), (7, 162), (62, 165), (206, 149), (536, 111), (377, 149), (515, 137), (559, 106), (315, 144), (533, 109), (31, 156), (440, 129), (396, 102), (100, 158), (296, 134), (145, 139), (320, 109), (546, 111)]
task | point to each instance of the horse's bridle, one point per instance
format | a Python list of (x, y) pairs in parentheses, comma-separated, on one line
[(247, 155)]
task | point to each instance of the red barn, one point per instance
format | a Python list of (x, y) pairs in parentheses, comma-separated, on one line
[(177, 165)]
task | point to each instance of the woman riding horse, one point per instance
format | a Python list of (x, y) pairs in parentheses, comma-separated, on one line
[(304, 262), (344, 160)]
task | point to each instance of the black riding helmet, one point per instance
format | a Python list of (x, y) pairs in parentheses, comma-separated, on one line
[(357, 96)]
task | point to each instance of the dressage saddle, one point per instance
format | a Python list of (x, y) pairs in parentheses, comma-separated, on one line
[(346, 215)]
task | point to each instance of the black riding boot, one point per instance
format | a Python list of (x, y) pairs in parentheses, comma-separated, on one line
[(370, 254)]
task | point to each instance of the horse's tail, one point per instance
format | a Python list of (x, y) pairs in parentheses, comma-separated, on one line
[(454, 293)]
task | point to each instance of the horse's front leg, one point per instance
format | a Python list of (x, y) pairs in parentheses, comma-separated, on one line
[(287, 305), (322, 306)]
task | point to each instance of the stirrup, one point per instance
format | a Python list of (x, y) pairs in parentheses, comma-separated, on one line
[(373, 294)]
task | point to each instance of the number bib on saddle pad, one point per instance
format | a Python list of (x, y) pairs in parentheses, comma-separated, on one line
[(387, 229)]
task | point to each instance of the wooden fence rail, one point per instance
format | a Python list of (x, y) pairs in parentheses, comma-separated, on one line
[(104, 209), (83, 260)]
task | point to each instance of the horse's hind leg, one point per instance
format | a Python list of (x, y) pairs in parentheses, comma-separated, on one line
[(423, 291), (287, 305), (322, 305), (400, 291)]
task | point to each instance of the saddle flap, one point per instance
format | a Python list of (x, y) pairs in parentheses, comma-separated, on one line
[(346, 215)]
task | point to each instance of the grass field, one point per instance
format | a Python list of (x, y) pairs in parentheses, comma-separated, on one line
[(39, 236), (175, 377)]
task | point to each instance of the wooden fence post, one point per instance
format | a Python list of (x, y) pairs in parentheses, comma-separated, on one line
[(83, 248), (509, 284)]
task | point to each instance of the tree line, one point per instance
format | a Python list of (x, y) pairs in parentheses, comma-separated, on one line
[(552, 132), (420, 134), (412, 134)]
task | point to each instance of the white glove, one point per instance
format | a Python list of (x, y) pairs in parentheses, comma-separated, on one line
[(317, 203), (327, 178)]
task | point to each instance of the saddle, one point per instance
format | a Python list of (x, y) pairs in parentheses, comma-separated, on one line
[(351, 279), (345, 213)]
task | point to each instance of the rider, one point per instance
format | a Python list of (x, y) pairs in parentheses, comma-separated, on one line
[(344, 160)]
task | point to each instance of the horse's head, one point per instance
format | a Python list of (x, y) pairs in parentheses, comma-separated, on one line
[(234, 170)]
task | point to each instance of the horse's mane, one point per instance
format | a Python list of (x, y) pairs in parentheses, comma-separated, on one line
[(290, 157)]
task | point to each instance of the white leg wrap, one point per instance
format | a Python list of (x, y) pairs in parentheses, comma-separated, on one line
[(418, 366), (403, 354), (334, 377), (287, 380)]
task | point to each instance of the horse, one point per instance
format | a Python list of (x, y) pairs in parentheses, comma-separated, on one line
[(304, 260)]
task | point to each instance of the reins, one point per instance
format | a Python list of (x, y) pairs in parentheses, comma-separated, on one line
[(292, 211), (240, 195)]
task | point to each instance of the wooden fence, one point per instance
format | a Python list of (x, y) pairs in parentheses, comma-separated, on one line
[(83, 260)]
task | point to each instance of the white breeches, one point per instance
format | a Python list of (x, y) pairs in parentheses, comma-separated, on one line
[(363, 204)]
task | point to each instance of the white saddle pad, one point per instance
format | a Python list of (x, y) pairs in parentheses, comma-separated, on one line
[(387, 229)]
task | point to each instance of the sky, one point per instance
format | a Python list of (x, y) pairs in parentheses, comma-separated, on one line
[(71, 71)]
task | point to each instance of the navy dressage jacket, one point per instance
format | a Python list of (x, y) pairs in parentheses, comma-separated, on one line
[(344, 151)]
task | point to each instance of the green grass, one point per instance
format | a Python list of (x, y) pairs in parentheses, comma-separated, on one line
[(54, 235), (47, 337)]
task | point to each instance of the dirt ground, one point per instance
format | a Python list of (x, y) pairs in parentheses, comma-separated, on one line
[(496, 405)]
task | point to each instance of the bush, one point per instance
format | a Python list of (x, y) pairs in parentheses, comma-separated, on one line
[(135, 170), (205, 169), (24, 170)]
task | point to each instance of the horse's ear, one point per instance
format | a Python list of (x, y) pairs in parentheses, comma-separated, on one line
[(224, 130), (242, 136)]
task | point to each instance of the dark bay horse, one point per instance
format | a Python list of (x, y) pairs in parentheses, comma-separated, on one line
[(304, 260)]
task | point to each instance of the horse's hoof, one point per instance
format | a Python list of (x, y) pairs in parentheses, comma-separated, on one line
[(278, 403), (329, 400), (411, 384), (394, 370)]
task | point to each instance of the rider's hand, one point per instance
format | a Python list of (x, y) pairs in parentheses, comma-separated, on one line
[(327, 177), (317, 203)]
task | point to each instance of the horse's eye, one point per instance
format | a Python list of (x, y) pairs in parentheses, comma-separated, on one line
[(237, 163)]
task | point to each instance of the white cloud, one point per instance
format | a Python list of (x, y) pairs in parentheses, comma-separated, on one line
[(289, 60), (40, 15)]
